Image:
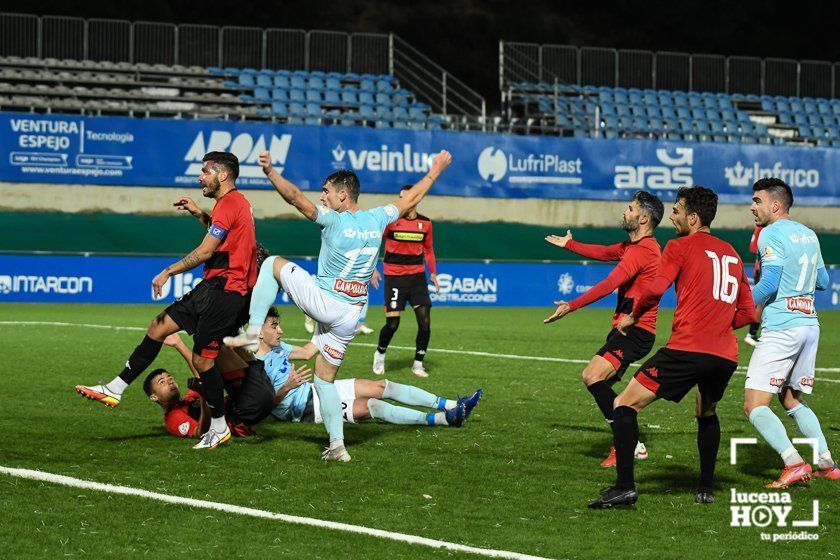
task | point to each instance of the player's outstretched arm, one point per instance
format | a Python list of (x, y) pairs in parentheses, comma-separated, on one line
[(287, 189), (589, 250), (415, 194), (175, 341), (198, 256), (187, 204)]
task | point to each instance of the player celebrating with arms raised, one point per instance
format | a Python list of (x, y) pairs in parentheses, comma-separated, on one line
[(784, 357), (713, 298), (638, 263), (350, 240), (216, 307)]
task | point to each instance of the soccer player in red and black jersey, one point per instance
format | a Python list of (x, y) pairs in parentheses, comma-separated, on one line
[(752, 336), (713, 298), (408, 249), (638, 262), (216, 307)]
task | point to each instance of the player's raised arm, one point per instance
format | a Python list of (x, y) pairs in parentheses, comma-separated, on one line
[(415, 194), (290, 193), (187, 204), (598, 252)]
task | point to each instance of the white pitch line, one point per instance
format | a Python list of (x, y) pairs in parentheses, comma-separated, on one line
[(252, 512), (369, 345)]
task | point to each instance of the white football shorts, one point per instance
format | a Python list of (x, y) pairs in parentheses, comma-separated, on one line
[(346, 392), (784, 359), (336, 320)]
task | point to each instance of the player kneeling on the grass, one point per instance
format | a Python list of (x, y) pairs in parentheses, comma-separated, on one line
[(360, 398), (638, 262), (350, 240), (713, 298), (784, 358), (216, 307), (250, 395)]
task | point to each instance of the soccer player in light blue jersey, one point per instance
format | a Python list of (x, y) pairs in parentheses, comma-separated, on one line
[(350, 240), (784, 357), (361, 399)]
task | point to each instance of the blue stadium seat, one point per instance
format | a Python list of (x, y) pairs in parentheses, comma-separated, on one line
[(400, 114), (315, 82), (367, 85), (331, 97), (399, 99), (366, 112), (313, 95), (282, 82), (416, 113), (297, 95), (313, 109), (264, 81), (246, 80), (712, 114), (384, 85), (349, 97), (280, 95), (297, 109), (279, 109), (333, 83), (683, 113), (262, 94), (638, 110), (366, 98), (298, 82), (385, 99)]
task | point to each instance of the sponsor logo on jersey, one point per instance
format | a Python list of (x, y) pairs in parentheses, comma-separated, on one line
[(408, 236), (801, 304), (352, 288), (333, 353), (673, 173), (807, 381), (776, 381)]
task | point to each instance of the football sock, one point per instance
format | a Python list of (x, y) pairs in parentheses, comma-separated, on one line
[(809, 425), (140, 359), (626, 430), (406, 394), (773, 432), (263, 296), (330, 410), (363, 315), (392, 414), (218, 425), (417, 364), (825, 460), (424, 331), (214, 391), (117, 385), (754, 329), (708, 442), (604, 397), (436, 419), (387, 333)]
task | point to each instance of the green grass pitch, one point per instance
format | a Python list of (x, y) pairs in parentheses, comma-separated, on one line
[(516, 477)]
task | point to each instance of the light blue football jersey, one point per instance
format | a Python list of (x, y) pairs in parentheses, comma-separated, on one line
[(278, 367), (349, 250), (796, 249)]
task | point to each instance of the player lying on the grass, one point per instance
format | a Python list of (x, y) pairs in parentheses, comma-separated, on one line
[(713, 298), (277, 388), (350, 239), (360, 398), (638, 262), (784, 358), (250, 394)]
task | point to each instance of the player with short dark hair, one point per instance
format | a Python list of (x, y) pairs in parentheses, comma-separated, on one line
[(783, 361), (213, 309), (350, 240), (638, 262), (408, 249), (713, 298)]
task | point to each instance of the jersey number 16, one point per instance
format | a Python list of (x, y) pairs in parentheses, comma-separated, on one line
[(725, 288)]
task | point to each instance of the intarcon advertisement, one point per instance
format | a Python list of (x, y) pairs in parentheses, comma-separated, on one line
[(99, 279), (60, 149)]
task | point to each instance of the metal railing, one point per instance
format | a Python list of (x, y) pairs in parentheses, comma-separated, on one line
[(63, 37), (564, 64)]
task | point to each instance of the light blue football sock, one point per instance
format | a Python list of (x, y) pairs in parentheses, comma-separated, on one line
[(263, 295), (330, 408), (809, 425), (773, 432), (395, 414), (363, 315), (414, 396)]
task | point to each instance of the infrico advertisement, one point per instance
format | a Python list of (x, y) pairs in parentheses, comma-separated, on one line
[(165, 152)]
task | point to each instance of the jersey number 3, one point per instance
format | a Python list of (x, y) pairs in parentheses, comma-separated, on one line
[(725, 288)]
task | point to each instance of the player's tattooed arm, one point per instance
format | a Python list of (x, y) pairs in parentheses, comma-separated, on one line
[(201, 254)]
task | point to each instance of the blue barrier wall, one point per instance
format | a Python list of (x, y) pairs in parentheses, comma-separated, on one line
[(166, 152), (41, 278)]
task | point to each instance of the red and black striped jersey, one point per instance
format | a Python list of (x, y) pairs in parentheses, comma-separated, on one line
[(407, 242)]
